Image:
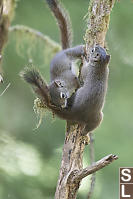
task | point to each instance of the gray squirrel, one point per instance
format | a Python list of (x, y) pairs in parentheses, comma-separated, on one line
[(86, 103)]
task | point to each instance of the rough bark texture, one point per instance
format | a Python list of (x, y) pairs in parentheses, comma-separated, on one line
[(71, 161), (98, 23), (71, 171)]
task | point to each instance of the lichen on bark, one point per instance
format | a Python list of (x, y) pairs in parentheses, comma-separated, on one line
[(98, 22)]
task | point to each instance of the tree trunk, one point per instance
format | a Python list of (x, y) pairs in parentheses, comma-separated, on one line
[(71, 171), (71, 162)]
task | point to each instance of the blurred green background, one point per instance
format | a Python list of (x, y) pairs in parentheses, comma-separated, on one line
[(30, 159)]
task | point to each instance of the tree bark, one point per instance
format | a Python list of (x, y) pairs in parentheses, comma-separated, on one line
[(71, 171), (71, 161)]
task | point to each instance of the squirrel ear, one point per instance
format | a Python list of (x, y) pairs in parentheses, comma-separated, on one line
[(58, 83)]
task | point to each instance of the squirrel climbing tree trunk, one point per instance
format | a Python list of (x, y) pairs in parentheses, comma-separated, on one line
[(72, 171)]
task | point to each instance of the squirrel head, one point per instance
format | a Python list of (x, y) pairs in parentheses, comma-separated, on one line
[(58, 93), (99, 55)]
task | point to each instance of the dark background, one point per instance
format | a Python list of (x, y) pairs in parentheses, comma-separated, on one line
[(30, 159)]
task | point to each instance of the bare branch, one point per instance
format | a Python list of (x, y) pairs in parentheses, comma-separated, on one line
[(92, 160), (78, 176)]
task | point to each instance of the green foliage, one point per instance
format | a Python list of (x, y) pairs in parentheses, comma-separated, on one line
[(30, 159)]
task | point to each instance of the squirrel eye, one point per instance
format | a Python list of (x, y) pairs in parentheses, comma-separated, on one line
[(62, 95), (92, 50), (97, 54)]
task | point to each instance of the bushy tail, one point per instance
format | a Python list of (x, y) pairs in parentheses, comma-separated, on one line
[(33, 77), (63, 20)]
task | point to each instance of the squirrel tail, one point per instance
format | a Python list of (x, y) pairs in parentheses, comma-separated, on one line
[(63, 20), (33, 77)]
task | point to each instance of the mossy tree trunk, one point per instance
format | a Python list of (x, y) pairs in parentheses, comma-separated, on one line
[(71, 171)]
